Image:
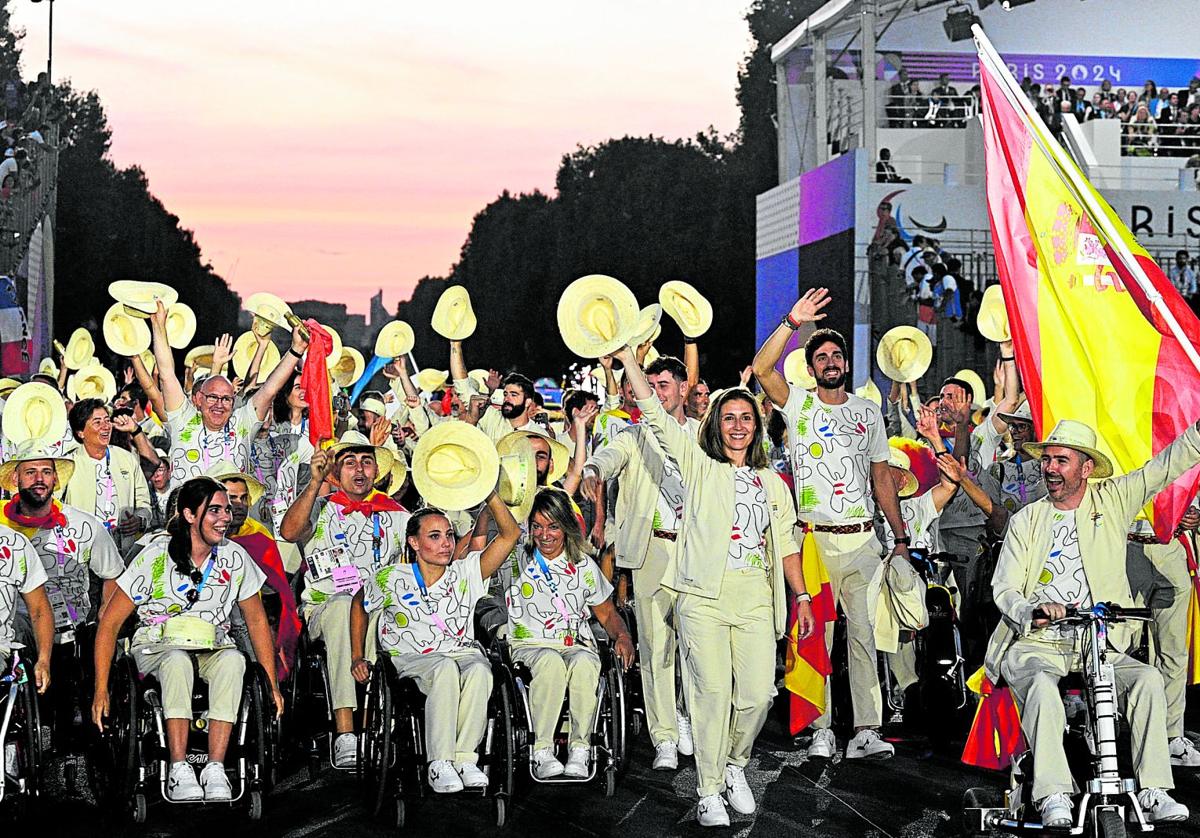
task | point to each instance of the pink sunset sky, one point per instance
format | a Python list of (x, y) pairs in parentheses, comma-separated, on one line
[(326, 150)]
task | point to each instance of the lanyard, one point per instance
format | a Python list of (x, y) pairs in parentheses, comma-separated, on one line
[(559, 603), (376, 533), (429, 606), (62, 563), (109, 485), (225, 436), (212, 560)]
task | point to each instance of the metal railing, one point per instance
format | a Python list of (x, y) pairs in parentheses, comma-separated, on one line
[(1154, 139), (924, 110), (28, 201)]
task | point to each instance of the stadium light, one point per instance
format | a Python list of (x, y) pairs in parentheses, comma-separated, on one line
[(958, 23), (1009, 5), (50, 44)]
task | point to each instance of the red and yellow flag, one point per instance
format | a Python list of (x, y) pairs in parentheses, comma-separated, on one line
[(808, 662), (1091, 343)]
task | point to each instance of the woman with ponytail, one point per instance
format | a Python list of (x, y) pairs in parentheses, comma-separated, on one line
[(427, 631), (183, 589)]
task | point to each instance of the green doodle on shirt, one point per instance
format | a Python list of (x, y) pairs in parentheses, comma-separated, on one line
[(520, 632), (808, 498), (657, 523)]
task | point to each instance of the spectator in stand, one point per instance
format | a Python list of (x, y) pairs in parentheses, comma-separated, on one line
[(1081, 106), (1149, 92), (1141, 133), (913, 258), (916, 105), (946, 290), (885, 172), (1183, 277), (1097, 109), (1063, 93), (9, 165), (897, 102), (1161, 105), (926, 304), (1106, 91), (1129, 107), (1191, 95), (944, 104), (12, 98)]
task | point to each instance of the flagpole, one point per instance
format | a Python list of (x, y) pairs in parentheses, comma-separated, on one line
[(1068, 175)]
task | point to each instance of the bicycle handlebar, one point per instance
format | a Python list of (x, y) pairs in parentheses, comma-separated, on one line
[(1107, 611)]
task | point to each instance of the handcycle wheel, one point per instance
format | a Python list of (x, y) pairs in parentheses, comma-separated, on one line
[(501, 812), (256, 805), (1110, 824), (377, 744), (400, 813), (138, 807)]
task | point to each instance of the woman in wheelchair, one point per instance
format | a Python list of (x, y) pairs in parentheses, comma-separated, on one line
[(427, 627), (548, 611), (183, 589)]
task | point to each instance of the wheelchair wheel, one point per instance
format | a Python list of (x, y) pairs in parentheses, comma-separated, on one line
[(616, 720), (503, 757), (138, 808), (400, 813), (29, 746), (113, 762), (260, 749), (256, 805), (377, 744)]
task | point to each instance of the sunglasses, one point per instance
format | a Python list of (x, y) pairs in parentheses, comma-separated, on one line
[(193, 595)]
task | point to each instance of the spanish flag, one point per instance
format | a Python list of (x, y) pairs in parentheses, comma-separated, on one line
[(1100, 334), (1193, 614), (996, 735), (808, 660)]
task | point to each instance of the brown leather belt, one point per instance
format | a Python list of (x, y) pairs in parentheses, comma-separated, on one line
[(666, 535), (840, 529), (1138, 538)]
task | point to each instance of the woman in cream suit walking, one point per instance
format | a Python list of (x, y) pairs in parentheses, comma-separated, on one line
[(730, 576)]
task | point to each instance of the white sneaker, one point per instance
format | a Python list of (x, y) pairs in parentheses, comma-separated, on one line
[(737, 790), (711, 811), (666, 757), (577, 763), (443, 778), (1056, 811), (345, 751), (823, 744), (215, 783), (1184, 753), (472, 777), (181, 783), (1160, 808), (545, 766), (868, 744), (683, 724)]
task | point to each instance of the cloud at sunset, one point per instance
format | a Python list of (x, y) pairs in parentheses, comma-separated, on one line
[(326, 155)]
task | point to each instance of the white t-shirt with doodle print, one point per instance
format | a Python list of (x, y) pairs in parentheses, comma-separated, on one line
[(441, 620), (1014, 484), (1062, 578), (276, 462), (751, 519), (67, 555), (833, 447), (668, 514), (194, 447), (20, 573), (540, 613), (340, 542), (920, 515), (158, 591)]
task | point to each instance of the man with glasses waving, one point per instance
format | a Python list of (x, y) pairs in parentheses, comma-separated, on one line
[(210, 430)]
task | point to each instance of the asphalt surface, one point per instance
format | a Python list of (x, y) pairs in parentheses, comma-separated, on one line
[(913, 795)]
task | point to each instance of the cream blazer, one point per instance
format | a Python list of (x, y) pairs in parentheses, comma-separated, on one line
[(1102, 519), (709, 508)]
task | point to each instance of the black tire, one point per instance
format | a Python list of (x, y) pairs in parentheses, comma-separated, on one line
[(256, 805), (501, 812), (610, 781), (260, 749), (1110, 825), (29, 745), (978, 798), (503, 758), (138, 808), (399, 813), (377, 743)]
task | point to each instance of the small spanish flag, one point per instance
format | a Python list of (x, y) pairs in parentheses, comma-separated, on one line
[(996, 735), (808, 664)]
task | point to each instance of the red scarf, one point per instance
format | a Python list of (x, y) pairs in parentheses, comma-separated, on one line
[(54, 518), (314, 381), (375, 502)]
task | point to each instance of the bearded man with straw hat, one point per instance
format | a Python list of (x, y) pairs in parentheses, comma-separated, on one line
[(72, 546), (840, 471), (1069, 549), (345, 537), (213, 431)]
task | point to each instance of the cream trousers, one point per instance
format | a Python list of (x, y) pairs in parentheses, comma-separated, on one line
[(1159, 579), (728, 648), (223, 671), (653, 606), (1033, 668), (456, 687), (556, 672), (851, 561), (329, 622)]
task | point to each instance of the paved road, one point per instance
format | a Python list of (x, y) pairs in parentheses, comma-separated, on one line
[(911, 796)]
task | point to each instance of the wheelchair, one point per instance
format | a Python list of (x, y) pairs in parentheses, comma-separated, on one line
[(309, 721), (392, 758), (940, 693), (1108, 806), (20, 734), (611, 729), (134, 753)]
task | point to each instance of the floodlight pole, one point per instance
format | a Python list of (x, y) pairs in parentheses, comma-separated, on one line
[(870, 87), (820, 71)]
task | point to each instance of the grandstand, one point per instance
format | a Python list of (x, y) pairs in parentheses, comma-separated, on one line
[(835, 197)]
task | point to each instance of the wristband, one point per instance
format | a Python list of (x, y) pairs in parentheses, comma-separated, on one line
[(1002, 358), (904, 539), (688, 341), (804, 597), (292, 350), (136, 430), (789, 322)]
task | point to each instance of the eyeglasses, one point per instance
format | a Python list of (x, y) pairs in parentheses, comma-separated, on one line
[(211, 399)]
